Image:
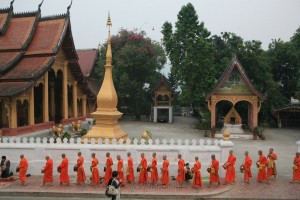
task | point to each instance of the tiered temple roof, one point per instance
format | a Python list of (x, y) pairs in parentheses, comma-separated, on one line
[(29, 45)]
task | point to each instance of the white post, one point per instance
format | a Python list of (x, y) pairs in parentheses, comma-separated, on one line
[(170, 114), (298, 143), (155, 114), (226, 146)]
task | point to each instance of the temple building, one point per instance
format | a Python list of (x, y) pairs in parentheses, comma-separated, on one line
[(41, 82)]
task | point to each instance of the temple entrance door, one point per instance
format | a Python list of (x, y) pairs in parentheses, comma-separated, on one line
[(22, 113), (38, 106), (232, 120)]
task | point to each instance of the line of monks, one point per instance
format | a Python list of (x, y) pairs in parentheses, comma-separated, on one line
[(265, 164)]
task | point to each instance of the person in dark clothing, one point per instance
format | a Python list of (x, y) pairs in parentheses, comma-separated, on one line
[(114, 182), (5, 165), (188, 172)]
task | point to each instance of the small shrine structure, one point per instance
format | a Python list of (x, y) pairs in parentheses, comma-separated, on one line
[(234, 86), (163, 97)]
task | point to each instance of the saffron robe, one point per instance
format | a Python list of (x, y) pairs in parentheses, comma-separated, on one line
[(296, 171), (80, 172), (48, 171), (64, 175), (181, 171), (214, 172), (121, 172), (271, 170), (108, 171), (230, 170), (154, 173), (165, 178), (247, 168), (130, 170), (143, 178), (23, 166), (95, 171), (262, 174), (197, 174)]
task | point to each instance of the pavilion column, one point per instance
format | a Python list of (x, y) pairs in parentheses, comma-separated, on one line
[(155, 114), (31, 107), (213, 112), (75, 111), (254, 114), (65, 90), (52, 100), (13, 114), (84, 105), (46, 98)]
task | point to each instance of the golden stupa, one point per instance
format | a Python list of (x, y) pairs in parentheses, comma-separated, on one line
[(107, 115)]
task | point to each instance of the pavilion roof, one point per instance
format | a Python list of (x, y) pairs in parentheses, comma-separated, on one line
[(234, 64), (87, 60)]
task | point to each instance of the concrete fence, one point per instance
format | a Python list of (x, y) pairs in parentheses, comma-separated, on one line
[(35, 150)]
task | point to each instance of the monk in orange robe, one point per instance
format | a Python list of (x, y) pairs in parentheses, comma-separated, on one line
[(165, 178), (230, 169), (120, 171), (214, 171), (95, 179), (143, 178), (296, 168), (197, 174), (48, 171), (63, 167), (247, 167), (80, 170), (181, 172), (23, 166), (108, 168), (129, 170), (261, 164), (153, 170), (271, 170)]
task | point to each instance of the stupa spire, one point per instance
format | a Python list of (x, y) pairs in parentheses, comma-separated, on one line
[(107, 115)]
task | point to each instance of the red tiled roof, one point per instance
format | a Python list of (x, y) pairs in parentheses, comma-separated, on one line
[(3, 18), (28, 68), (17, 33), (8, 89), (87, 58), (46, 36), (7, 57)]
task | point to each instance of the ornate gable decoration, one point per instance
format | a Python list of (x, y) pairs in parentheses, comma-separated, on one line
[(234, 81)]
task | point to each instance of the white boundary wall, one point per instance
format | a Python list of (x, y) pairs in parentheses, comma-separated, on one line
[(35, 151)]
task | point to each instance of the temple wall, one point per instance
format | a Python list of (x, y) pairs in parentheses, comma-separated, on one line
[(35, 151)]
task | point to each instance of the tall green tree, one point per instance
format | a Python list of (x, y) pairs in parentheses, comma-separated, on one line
[(191, 55), (136, 62)]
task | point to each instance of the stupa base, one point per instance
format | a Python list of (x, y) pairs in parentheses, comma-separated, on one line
[(105, 132)]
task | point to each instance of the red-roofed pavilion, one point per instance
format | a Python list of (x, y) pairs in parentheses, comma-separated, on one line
[(234, 86)]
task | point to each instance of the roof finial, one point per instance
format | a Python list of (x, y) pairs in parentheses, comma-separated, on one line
[(109, 24), (11, 3), (40, 5), (69, 7)]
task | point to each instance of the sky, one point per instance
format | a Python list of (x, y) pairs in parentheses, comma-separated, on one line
[(262, 20)]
